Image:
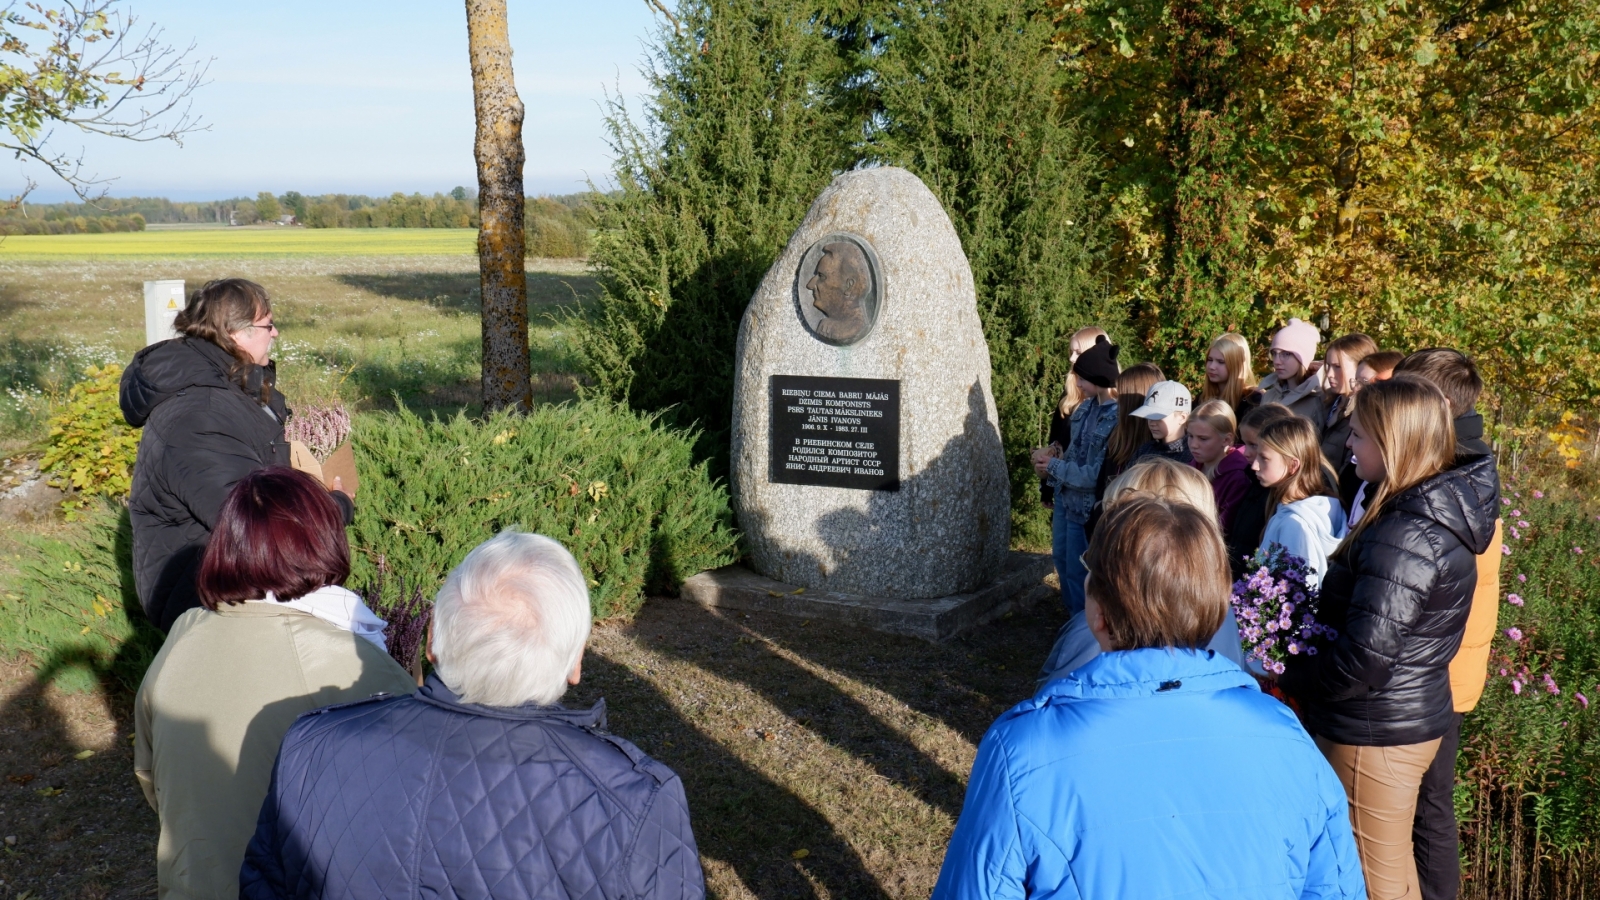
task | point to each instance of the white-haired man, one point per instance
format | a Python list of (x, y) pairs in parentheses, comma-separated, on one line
[(480, 784)]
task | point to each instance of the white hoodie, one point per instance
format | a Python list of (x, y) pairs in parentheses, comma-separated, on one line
[(1310, 529)]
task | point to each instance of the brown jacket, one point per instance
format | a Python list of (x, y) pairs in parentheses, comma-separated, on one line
[(209, 717), (1470, 668)]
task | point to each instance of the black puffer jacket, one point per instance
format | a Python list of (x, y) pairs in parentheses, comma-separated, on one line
[(1399, 597), (202, 433)]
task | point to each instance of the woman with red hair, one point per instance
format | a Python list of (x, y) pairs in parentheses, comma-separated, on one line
[(276, 635)]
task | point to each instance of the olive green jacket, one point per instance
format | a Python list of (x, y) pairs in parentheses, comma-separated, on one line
[(209, 717)]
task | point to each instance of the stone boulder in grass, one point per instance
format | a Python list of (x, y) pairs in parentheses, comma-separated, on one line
[(866, 448)]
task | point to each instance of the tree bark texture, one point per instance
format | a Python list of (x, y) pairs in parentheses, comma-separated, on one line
[(498, 148)]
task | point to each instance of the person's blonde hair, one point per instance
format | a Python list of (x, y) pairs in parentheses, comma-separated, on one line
[(1409, 420), (1158, 571), (1218, 415), (1296, 438), (1355, 347), (1129, 434), (1241, 375), (1070, 398), (1157, 476)]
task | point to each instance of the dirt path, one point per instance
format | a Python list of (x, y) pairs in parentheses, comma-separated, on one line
[(819, 761)]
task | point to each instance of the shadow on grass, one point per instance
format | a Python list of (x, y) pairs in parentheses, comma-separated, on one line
[(74, 662), (741, 817), (458, 291), (750, 821)]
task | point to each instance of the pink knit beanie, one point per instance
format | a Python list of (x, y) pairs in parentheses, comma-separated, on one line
[(1299, 338)]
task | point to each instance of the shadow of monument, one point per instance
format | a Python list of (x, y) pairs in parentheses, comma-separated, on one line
[(741, 817)]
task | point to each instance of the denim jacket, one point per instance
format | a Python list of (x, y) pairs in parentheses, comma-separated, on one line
[(1073, 475)]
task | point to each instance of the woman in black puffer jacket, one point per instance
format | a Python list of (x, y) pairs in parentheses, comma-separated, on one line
[(1398, 590), (211, 415)]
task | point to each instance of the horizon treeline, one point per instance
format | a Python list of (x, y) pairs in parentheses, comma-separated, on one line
[(557, 226)]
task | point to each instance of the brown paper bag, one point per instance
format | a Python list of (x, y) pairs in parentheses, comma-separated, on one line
[(341, 464), (301, 457)]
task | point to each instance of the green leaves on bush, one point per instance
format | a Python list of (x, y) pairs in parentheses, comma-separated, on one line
[(92, 448), (617, 488), (72, 607)]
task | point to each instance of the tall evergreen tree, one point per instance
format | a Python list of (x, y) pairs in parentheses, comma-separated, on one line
[(742, 131), (967, 93)]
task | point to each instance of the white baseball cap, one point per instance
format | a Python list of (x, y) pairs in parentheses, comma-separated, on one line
[(1163, 399)]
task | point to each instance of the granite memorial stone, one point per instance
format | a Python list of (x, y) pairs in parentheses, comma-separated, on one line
[(866, 450)]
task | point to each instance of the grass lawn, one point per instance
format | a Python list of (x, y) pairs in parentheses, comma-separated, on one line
[(265, 241), (362, 329)]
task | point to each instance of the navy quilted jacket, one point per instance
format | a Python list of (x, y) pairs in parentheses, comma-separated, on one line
[(426, 796)]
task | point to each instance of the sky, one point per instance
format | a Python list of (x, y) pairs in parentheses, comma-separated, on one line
[(355, 96)]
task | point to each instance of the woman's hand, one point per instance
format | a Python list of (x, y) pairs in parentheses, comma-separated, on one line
[(338, 486), (1041, 461)]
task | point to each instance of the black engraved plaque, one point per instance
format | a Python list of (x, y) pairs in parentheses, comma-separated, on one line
[(835, 432)]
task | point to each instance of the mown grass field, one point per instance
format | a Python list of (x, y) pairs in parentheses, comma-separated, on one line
[(363, 329), (243, 243)]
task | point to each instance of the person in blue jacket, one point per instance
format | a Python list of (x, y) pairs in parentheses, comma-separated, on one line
[(1157, 769)]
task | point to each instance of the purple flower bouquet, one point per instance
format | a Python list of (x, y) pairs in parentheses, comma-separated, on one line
[(1277, 611)]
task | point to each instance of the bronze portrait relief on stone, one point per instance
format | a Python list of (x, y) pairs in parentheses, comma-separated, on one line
[(838, 288)]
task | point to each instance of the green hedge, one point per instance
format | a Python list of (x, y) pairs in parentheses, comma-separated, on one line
[(619, 489)]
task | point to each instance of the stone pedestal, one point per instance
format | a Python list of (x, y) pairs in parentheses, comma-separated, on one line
[(1019, 585)]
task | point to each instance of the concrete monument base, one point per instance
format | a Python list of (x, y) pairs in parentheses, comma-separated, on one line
[(1020, 584)]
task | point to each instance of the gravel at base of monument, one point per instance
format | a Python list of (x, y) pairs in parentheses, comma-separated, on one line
[(946, 530)]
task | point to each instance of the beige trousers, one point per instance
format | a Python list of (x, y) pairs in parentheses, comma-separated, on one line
[(1382, 784)]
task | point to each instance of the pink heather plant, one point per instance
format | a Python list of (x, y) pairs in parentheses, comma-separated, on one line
[(321, 428)]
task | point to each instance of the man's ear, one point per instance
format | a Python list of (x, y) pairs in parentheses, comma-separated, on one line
[(576, 675)]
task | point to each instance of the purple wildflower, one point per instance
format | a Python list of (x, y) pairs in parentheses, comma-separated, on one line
[(1522, 578), (1514, 599), (1514, 633), (1523, 523), (1538, 495), (1516, 514), (1577, 550), (1550, 684), (1582, 700), (1516, 686), (1505, 551)]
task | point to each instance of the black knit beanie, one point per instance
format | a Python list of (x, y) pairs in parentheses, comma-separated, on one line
[(1098, 364)]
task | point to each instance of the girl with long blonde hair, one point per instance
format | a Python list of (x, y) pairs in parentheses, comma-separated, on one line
[(1398, 591), (1229, 374)]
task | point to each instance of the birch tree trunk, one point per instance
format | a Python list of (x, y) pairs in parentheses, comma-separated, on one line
[(499, 153)]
